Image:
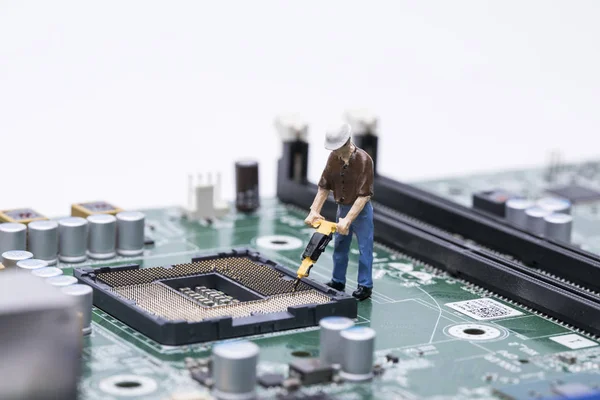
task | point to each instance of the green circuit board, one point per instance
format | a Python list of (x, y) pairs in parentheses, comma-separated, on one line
[(452, 340)]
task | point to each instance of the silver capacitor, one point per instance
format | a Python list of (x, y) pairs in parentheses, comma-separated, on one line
[(13, 236), (72, 239), (102, 236), (234, 370), (47, 272), (558, 226), (31, 264), (62, 280), (515, 211), (535, 219), (43, 240), (330, 348), (358, 345), (84, 296), (555, 204), (12, 257), (130, 233)]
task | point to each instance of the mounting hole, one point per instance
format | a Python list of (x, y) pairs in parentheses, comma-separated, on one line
[(475, 332), (128, 385), (279, 242), (301, 354)]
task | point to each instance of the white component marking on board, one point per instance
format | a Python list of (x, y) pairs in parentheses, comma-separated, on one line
[(484, 309), (279, 242), (404, 267), (422, 276), (573, 341), (379, 274)]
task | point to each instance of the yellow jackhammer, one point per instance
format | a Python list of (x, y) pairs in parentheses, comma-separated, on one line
[(317, 244)]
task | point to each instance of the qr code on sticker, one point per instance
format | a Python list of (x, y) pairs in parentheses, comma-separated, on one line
[(484, 309)]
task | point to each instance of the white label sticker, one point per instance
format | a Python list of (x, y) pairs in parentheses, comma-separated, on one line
[(484, 309), (574, 341)]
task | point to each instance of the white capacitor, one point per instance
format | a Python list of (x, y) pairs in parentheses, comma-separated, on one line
[(62, 280), (535, 219), (555, 204), (43, 240), (72, 239), (234, 370), (358, 345), (330, 348), (13, 236), (558, 226), (47, 272), (515, 211), (31, 264), (12, 257), (102, 237), (84, 296)]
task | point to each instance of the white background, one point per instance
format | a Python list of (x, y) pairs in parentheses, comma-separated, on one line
[(119, 100)]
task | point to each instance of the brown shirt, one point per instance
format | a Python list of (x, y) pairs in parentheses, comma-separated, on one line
[(348, 181)]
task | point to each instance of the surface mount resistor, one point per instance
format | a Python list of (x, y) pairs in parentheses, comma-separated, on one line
[(246, 186)]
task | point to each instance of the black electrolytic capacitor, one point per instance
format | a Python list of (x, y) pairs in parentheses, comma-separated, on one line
[(246, 182)]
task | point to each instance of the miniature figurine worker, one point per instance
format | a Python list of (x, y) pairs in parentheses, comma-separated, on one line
[(349, 174)]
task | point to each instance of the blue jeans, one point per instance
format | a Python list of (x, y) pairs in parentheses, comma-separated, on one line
[(363, 228)]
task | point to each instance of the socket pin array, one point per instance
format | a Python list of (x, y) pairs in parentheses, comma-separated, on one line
[(161, 300), (255, 276)]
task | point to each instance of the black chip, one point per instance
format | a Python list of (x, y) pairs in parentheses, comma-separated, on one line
[(271, 380), (392, 358), (310, 371), (202, 377), (148, 242), (576, 194), (492, 201)]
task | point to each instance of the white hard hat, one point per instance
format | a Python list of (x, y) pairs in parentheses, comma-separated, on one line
[(337, 137)]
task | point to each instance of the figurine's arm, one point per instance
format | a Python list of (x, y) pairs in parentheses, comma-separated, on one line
[(357, 207)]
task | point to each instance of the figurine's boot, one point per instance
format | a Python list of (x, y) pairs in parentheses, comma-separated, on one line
[(362, 293), (336, 285)]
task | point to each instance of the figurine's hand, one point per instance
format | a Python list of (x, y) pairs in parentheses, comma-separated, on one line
[(312, 218), (343, 226)]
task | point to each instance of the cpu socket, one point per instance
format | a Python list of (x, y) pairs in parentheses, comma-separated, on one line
[(216, 296)]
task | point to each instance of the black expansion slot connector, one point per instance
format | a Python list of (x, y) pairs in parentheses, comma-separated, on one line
[(568, 262), (442, 250), (561, 259)]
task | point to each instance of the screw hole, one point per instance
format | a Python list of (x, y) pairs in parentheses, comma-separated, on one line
[(300, 353), (474, 331), (128, 384)]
